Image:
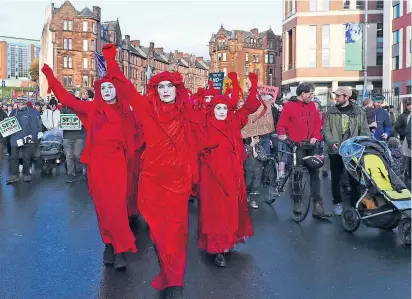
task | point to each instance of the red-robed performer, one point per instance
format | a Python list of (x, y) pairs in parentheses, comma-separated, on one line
[(224, 217), (168, 168), (108, 154)]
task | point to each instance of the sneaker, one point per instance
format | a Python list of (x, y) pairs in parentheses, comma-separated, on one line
[(253, 204), (108, 254), (13, 179), (337, 209), (70, 179), (319, 211), (220, 260), (119, 261), (173, 293)]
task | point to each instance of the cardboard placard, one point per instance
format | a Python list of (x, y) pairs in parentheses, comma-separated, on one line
[(9, 126), (70, 122), (263, 125)]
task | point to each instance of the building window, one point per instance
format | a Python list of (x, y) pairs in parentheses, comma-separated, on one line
[(84, 26), (396, 37), (93, 64), (379, 44), (65, 26), (325, 45), (397, 11), (312, 46), (325, 5), (346, 4), (225, 71), (67, 81), (85, 81), (271, 45), (313, 5), (395, 63), (271, 59), (85, 43), (409, 89), (246, 70), (379, 4), (67, 44), (93, 45), (85, 63), (219, 57), (360, 4), (247, 57), (224, 57), (266, 58), (94, 27), (65, 62)]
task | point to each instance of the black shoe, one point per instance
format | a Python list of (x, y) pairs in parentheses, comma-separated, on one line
[(220, 260), (319, 211), (119, 261), (173, 293), (108, 255), (13, 179), (70, 179)]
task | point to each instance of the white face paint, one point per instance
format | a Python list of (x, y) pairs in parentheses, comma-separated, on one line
[(221, 111), (167, 91), (108, 92), (208, 99)]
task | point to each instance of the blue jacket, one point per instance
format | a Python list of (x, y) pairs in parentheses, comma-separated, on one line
[(29, 122), (383, 123)]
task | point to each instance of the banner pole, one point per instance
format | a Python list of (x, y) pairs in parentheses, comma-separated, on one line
[(365, 50)]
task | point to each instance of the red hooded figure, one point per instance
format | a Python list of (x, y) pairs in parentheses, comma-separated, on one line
[(168, 167), (224, 216), (108, 153)]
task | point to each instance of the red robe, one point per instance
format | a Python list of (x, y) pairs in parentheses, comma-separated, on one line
[(168, 169), (108, 154), (224, 217)]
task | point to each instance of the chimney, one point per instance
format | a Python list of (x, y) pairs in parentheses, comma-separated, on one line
[(159, 50), (127, 40), (97, 12), (135, 43), (199, 58), (151, 46)]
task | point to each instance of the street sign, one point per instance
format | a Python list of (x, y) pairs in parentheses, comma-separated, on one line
[(359, 87), (70, 122), (9, 126), (369, 87)]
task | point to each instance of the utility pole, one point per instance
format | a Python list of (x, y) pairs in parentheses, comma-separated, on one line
[(365, 51)]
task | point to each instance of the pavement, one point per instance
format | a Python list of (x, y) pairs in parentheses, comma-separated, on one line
[(50, 247)]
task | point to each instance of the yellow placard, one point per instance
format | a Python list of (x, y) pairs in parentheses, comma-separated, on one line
[(228, 83)]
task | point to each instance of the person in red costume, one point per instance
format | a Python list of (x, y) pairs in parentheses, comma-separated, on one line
[(168, 167), (224, 217), (108, 153)]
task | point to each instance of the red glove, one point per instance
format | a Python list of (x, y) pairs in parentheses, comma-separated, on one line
[(233, 76), (253, 79), (46, 70), (109, 52)]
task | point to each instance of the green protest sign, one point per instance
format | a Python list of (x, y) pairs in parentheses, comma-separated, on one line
[(9, 126), (70, 122)]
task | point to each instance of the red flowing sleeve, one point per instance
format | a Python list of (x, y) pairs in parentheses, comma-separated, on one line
[(251, 105), (65, 97)]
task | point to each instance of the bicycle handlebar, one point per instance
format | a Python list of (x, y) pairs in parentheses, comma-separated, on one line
[(305, 143)]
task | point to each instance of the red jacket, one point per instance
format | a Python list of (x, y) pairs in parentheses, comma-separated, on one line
[(299, 121)]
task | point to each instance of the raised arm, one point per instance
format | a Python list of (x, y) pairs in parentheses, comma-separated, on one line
[(124, 87), (251, 104), (63, 95)]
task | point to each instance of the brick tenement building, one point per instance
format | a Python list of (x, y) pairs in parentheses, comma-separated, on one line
[(247, 51), (69, 40), (314, 43)]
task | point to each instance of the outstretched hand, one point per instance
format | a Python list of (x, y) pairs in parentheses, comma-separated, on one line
[(233, 77), (109, 52), (46, 70), (253, 79)]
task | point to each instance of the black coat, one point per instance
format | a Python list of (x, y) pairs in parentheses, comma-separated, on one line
[(3, 116), (401, 124)]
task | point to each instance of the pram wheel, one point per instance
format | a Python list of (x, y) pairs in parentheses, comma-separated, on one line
[(404, 230), (350, 219)]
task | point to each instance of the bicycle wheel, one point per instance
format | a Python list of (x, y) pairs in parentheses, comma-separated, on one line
[(300, 194)]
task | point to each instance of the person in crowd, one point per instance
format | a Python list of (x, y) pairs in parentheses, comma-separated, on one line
[(3, 116), (383, 129), (51, 117), (9, 109), (73, 144), (300, 121), (396, 153), (400, 125), (367, 106), (342, 122), (393, 116), (326, 166), (108, 153), (169, 166), (224, 218), (23, 141), (253, 169)]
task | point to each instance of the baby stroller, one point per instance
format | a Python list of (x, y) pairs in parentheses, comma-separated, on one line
[(51, 150), (386, 202)]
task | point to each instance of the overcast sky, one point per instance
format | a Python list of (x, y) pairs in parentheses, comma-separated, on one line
[(176, 25)]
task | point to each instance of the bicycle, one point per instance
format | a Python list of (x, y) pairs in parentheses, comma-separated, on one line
[(299, 174)]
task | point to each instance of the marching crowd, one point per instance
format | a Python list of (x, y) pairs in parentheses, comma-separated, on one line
[(164, 147)]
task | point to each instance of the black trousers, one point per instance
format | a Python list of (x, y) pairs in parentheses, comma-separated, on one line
[(27, 152), (313, 173), (337, 169), (253, 180)]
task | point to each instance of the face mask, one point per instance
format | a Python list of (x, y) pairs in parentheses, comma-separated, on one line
[(208, 99), (220, 111), (108, 92), (167, 91)]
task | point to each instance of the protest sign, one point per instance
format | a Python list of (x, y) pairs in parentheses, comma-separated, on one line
[(263, 125), (228, 83), (70, 122), (9, 126), (217, 79)]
